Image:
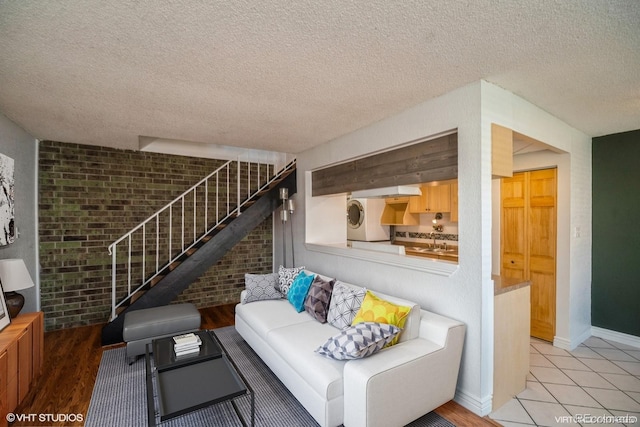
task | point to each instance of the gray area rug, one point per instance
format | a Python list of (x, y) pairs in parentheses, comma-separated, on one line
[(119, 395)]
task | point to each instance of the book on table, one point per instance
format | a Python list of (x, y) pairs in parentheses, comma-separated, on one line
[(186, 340), (186, 344)]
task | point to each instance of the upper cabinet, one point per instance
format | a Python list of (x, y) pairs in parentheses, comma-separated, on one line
[(396, 212), (454, 201), (434, 198), (501, 151)]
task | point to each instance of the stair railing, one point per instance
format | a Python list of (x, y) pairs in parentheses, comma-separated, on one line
[(189, 218)]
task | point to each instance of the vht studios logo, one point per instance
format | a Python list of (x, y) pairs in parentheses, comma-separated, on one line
[(45, 418)]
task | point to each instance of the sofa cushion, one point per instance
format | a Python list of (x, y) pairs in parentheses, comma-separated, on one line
[(374, 309), (345, 303), (269, 315), (296, 345), (286, 277), (359, 341), (318, 298), (411, 328), (261, 287), (299, 289)]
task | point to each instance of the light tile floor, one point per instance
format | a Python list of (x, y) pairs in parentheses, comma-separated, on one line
[(598, 383)]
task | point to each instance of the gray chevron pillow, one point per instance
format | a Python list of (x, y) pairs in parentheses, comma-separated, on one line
[(358, 341)]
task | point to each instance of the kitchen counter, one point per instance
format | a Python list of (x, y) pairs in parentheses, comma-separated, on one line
[(502, 285), (428, 251)]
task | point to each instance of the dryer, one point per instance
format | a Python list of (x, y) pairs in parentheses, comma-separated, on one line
[(363, 220)]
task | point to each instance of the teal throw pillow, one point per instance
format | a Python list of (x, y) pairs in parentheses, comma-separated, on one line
[(299, 289)]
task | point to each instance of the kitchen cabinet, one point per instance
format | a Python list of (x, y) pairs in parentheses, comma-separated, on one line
[(454, 201), (434, 198), (21, 358), (501, 151), (396, 212)]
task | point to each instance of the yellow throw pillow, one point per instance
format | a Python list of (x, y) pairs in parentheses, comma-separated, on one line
[(374, 309)]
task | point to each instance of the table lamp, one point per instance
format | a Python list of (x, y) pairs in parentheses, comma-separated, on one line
[(14, 277)]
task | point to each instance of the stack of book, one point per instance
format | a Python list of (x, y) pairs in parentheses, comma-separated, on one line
[(186, 344)]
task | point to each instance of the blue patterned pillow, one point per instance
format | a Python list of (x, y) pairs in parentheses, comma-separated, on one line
[(358, 341), (298, 290)]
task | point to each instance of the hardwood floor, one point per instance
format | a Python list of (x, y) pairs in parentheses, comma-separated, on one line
[(72, 357)]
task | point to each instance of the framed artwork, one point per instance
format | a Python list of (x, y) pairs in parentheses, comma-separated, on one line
[(4, 314), (7, 199)]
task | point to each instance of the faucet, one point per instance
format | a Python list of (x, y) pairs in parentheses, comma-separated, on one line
[(433, 235)]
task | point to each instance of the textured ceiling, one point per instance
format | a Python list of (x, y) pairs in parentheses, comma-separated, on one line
[(288, 75)]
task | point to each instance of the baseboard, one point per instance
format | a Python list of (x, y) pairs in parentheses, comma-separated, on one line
[(571, 344), (480, 407), (562, 343), (615, 336)]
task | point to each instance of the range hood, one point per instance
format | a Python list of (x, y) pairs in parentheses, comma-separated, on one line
[(379, 193)]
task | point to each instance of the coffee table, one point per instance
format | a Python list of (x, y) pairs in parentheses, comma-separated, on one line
[(187, 383)]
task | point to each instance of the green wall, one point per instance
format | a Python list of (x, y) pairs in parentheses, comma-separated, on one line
[(615, 291)]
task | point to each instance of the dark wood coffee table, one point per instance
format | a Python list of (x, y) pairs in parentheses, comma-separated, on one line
[(191, 382)]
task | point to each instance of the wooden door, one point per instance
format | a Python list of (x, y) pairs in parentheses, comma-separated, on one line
[(528, 241), (513, 233), (542, 252)]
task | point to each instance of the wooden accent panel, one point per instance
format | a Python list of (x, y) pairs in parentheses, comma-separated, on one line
[(433, 160), (501, 151), (511, 344)]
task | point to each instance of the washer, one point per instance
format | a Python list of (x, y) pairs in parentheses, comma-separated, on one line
[(363, 220)]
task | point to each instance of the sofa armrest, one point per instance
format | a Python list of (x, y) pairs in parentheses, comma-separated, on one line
[(403, 382)]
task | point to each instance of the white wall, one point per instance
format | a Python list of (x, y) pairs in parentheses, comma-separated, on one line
[(23, 148), (459, 295), (466, 292), (573, 278)]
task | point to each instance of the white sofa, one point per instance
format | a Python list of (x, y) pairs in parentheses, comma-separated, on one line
[(390, 388)]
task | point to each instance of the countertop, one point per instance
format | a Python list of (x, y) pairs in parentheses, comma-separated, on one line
[(502, 285), (427, 250)]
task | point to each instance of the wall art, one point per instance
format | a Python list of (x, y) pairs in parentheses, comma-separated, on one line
[(7, 213)]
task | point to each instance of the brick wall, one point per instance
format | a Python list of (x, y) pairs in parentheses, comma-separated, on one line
[(88, 197)]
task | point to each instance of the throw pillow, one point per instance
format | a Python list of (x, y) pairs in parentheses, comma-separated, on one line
[(318, 299), (298, 290), (261, 287), (358, 341), (374, 309), (345, 303), (286, 276)]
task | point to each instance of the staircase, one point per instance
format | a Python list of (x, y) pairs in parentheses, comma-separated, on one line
[(193, 232)]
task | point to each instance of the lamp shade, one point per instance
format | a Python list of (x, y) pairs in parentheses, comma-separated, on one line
[(14, 275)]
